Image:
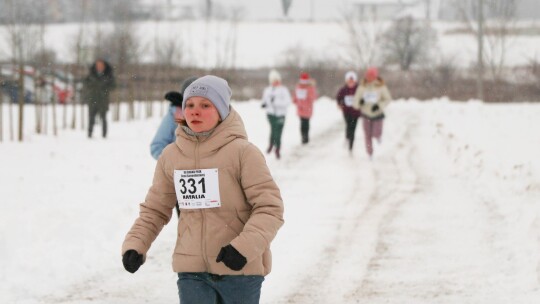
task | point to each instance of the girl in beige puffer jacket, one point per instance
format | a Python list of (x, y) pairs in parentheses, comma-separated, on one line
[(231, 208), (371, 98)]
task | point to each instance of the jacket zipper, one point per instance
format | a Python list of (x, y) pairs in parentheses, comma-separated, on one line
[(203, 214)]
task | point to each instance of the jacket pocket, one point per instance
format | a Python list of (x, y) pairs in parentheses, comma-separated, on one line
[(236, 225), (243, 215), (189, 237)]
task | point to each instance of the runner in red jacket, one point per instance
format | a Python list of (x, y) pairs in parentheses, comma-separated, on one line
[(305, 95)]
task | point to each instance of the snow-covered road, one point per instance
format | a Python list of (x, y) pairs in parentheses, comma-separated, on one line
[(447, 212)]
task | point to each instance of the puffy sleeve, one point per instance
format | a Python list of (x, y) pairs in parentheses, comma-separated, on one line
[(264, 196), (154, 212), (357, 96), (385, 97)]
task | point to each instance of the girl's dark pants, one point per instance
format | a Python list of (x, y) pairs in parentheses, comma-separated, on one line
[(206, 288)]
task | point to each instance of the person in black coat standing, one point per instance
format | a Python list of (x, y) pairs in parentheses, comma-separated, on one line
[(97, 87)]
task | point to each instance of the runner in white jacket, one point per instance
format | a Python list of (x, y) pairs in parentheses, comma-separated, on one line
[(276, 99)]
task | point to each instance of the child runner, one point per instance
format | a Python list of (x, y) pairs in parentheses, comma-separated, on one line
[(276, 99), (231, 206), (305, 94), (345, 99), (372, 97)]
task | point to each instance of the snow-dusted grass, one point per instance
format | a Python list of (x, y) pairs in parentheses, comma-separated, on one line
[(447, 212)]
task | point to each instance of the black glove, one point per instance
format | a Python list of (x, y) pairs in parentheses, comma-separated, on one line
[(175, 98), (375, 108), (132, 260), (362, 101), (263, 105), (231, 258)]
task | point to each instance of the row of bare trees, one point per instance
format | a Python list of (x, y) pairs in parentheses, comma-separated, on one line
[(25, 31), (408, 42)]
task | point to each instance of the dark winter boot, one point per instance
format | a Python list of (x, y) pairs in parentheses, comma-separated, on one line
[(270, 147), (278, 156)]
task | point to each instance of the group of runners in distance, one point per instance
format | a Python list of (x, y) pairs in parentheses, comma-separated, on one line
[(228, 205)]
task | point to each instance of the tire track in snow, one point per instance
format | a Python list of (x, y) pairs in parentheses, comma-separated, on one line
[(356, 237), (451, 242)]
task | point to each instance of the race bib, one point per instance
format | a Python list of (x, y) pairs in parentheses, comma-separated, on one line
[(371, 97), (197, 189), (301, 93), (349, 99)]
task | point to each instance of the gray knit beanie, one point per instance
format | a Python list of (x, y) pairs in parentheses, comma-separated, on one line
[(213, 88)]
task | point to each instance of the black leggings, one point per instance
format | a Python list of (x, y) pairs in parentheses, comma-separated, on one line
[(351, 122), (304, 129)]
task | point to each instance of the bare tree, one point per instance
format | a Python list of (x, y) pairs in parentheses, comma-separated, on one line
[(53, 104), (364, 38), (407, 42), (79, 48), (480, 60), (21, 36), (41, 59), (11, 121), (500, 18)]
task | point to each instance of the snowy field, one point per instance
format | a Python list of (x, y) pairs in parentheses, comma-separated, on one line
[(447, 212), (268, 44)]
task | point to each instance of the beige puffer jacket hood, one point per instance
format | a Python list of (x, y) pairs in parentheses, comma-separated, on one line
[(251, 209)]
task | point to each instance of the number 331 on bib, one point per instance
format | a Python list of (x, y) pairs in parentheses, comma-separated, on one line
[(197, 189)]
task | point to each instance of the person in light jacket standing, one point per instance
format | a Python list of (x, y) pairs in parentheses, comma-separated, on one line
[(371, 98), (345, 100), (305, 95), (276, 99), (231, 206)]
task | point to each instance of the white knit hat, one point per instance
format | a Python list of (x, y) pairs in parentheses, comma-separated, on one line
[(274, 76), (351, 75)]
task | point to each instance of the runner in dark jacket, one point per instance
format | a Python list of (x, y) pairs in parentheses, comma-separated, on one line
[(345, 98)]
